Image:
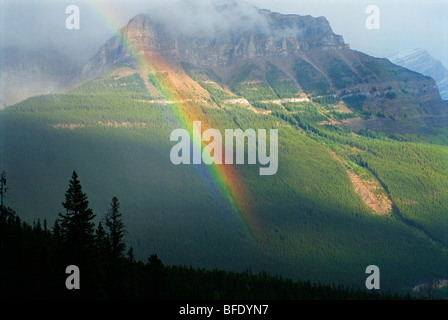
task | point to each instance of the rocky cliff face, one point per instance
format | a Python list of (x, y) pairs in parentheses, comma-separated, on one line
[(277, 36), (267, 34)]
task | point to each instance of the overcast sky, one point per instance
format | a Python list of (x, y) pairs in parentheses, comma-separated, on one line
[(404, 25)]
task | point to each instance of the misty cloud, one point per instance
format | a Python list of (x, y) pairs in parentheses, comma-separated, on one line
[(207, 18), (33, 25)]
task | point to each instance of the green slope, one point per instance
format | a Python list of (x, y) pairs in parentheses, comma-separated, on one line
[(313, 224)]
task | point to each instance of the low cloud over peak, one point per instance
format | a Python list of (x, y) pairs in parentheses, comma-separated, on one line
[(207, 18)]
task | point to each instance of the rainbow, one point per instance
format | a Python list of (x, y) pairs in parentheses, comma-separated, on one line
[(223, 177)]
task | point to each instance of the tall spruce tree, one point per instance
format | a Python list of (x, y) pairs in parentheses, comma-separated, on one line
[(3, 189), (102, 240), (5, 212), (116, 230), (115, 233), (76, 224)]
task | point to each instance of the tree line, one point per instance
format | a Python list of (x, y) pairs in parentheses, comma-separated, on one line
[(34, 258)]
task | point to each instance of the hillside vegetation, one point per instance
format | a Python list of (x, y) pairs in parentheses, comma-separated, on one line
[(305, 222)]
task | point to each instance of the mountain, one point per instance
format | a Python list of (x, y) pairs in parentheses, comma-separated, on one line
[(343, 197), (284, 56), (421, 61)]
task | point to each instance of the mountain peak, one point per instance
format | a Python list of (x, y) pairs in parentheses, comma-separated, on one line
[(253, 53), (419, 60), (225, 36)]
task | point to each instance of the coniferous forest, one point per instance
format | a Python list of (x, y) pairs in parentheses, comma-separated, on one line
[(34, 260)]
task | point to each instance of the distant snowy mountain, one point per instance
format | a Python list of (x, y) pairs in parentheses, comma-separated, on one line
[(421, 61)]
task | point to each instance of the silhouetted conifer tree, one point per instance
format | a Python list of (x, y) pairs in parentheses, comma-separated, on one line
[(103, 257), (3, 190), (115, 234), (4, 211), (77, 231), (116, 230), (102, 240), (56, 235), (157, 277), (131, 257), (77, 226)]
